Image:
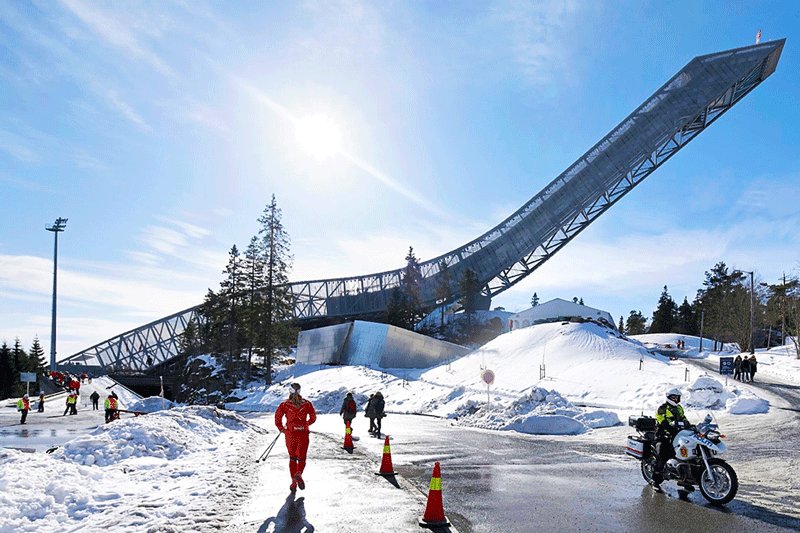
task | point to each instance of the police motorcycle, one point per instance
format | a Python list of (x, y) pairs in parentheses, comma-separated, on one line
[(695, 463)]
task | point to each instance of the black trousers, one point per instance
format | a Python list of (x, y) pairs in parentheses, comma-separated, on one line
[(23, 417)]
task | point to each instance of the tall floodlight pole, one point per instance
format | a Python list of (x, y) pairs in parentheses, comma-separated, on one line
[(57, 227), (752, 313)]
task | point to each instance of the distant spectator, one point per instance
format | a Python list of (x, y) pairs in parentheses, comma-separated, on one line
[(72, 404), (112, 408), (737, 367), (753, 366), (41, 403), (95, 400), (745, 369)]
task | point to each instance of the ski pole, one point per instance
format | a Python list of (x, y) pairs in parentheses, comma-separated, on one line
[(264, 455)]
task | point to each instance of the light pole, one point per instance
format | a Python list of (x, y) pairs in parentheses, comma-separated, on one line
[(57, 227), (752, 313)]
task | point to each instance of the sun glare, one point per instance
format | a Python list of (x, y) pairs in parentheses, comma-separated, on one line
[(319, 136)]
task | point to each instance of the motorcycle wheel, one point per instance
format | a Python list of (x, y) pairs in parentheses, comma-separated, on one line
[(648, 467), (725, 488)]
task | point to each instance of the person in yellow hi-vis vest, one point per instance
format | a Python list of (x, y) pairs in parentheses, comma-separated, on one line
[(111, 408), (72, 404), (23, 406)]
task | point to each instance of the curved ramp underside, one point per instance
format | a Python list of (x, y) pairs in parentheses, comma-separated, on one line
[(675, 114)]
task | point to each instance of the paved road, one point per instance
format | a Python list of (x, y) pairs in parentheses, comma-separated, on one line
[(497, 482)]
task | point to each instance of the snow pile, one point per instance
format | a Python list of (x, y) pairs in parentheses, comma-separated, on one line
[(706, 393), (151, 404), (541, 412), (160, 435), (210, 361), (157, 472)]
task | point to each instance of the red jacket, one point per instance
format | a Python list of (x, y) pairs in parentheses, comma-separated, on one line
[(298, 417)]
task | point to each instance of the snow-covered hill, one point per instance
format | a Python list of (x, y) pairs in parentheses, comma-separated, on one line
[(587, 367)]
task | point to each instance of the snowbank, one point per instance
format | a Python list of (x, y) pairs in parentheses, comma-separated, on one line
[(138, 474), (706, 393), (151, 404)]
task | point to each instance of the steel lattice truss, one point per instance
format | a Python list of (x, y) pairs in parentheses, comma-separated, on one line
[(143, 347), (675, 114)]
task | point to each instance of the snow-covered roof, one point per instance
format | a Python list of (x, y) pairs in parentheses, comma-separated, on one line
[(558, 308)]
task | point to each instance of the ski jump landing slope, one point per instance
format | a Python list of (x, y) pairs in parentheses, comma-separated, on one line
[(689, 102)]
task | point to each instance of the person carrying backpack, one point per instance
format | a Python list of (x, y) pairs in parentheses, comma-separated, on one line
[(349, 409)]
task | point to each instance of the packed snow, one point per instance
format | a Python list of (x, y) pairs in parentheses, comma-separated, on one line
[(133, 475), (591, 375), (151, 404)]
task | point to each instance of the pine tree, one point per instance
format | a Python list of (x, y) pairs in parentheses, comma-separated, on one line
[(443, 291), (636, 323), (275, 319), (665, 315), (232, 292), (687, 318), (396, 308), (411, 286), (580, 302), (621, 325), (470, 288), (7, 371), (534, 300), (37, 356), (727, 305), (255, 287)]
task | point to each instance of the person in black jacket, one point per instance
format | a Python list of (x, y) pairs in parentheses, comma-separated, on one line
[(369, 412), (378, 405), (753, 366), (745, 369), (95, 400), (737, 367)]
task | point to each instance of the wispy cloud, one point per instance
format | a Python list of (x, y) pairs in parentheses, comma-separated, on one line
[(536, 34), (111, 30), (127, 111), (17, 147)]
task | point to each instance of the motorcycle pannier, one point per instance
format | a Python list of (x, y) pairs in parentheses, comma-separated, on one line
[(635, 447), (642, 423)]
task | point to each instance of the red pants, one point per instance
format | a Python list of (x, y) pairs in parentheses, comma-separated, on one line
[(297, 446)]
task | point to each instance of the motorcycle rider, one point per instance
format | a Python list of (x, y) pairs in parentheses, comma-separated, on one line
[(670, 419)]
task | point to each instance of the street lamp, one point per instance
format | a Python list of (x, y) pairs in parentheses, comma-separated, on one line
[(57, 227), (752, 312)]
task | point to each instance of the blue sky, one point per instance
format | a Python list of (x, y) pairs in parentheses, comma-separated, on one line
[(161, 129)]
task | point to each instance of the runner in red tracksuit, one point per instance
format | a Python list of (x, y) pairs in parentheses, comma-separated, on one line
[(299, 415)]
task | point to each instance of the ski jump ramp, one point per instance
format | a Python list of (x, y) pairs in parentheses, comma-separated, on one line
[(689, 102)]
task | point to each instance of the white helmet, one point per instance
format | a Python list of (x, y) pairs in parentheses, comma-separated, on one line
[(674, 396)]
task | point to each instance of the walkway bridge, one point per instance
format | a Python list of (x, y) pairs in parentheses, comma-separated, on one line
[(684, 106)]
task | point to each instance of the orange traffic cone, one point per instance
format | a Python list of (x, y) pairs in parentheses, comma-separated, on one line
[(386, 464), (348, 437), (434, 511)]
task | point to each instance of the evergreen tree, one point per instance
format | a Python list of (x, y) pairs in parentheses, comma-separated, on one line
[(396, 308), (277, 332), (574, 299), (443, 291), (534, 300), (232, 294), (411, 286), (37, 356), (621, 325), (665, 315), (7, 371), (727, 305), (636, 323), (580, 301), (470, 288), (687, 319), (254, 288)]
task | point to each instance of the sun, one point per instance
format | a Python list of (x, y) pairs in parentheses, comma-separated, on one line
[(319, 136)]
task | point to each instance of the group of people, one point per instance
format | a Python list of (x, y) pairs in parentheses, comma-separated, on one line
[(744, 368), (296, 414), (374, 411), (111, 405)]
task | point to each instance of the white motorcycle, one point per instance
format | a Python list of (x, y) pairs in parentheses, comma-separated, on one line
[(695, 463)]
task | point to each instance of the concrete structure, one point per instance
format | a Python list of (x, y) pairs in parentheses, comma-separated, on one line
[(372, 344), (558, 309)]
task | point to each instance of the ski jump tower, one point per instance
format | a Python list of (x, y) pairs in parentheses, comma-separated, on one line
[(684, 106)]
